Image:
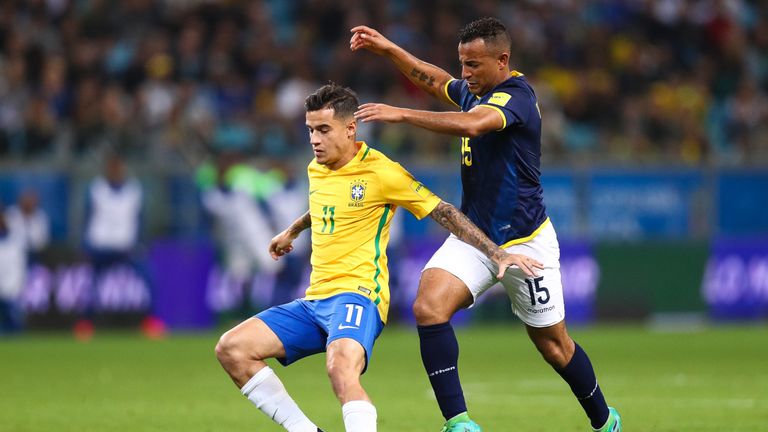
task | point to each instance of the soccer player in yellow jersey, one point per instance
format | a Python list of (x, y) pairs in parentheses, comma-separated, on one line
[(353, 193)]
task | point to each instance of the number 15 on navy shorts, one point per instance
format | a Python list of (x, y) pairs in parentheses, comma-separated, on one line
[(306, 327)]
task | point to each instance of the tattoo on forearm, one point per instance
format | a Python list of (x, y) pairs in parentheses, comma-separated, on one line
[(301, 224), (421, 76), (457, 223)]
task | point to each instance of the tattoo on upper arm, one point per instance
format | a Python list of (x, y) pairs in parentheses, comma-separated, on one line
[(421, 76)]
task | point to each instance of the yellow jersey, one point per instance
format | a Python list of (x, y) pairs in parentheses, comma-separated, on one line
[(351, 209)]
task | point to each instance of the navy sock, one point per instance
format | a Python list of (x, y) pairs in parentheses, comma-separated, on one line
[(440, 355), (578, 373)]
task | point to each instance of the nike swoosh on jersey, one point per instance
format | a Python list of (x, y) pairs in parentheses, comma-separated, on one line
[(313, 191), (342, 327)]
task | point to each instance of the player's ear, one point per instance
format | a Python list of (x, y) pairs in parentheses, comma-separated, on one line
[(351, 128), (503, 60)]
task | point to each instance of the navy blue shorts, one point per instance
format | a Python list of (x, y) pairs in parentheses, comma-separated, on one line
[(306, 327)]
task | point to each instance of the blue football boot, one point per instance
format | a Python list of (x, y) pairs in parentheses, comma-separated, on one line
[(461, 423), (614, 422)]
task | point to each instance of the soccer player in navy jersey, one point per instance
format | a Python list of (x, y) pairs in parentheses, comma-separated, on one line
[(500, 129)]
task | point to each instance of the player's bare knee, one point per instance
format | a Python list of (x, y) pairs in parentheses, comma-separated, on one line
[(335, 369), (225, 348), (423, 313), (428, 311), (344, 364), (230, 349), (339, 368)]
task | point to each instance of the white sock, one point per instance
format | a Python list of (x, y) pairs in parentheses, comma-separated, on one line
[(267, 392), (359, 416)]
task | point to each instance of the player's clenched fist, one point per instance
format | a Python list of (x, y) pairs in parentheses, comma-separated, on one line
[(280, 245), (370, 39)]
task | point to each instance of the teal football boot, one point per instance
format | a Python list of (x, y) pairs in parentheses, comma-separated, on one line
[(461, 423), (614, 422)]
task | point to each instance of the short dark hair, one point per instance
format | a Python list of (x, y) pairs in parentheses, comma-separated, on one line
[(490, 30), (341, 99)]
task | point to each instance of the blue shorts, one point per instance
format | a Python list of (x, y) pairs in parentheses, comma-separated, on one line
[(306, 327)]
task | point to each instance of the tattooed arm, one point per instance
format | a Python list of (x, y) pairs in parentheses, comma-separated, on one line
[(457, 223), (427, 77), (299, 225), (431, 79), (282, 243), (477, 121)]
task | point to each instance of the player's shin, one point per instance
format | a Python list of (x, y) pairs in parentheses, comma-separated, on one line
[(440, 355), (267, 392), (580, 375)]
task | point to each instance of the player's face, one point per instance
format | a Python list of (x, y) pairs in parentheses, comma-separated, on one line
[(332, 138), (481, 66)]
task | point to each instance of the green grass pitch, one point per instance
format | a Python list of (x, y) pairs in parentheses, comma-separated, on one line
[(715, 379)]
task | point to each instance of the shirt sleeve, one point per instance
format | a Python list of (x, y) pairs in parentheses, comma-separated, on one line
[(454, 89), (399, 187), (514, 106)]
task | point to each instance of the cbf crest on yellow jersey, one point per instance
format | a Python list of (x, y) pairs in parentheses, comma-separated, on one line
[(351, 209), (357, 192)]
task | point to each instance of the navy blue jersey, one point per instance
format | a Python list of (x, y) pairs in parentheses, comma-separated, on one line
[(500, 171)]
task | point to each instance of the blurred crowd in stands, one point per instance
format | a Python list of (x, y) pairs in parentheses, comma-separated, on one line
[(167, 82)]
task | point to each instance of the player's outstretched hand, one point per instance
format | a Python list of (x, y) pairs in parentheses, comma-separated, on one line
[(526, 264), (280, 245), (376, 111), (370, 39)]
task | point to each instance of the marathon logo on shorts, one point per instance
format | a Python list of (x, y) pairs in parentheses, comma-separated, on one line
[(542, 310)]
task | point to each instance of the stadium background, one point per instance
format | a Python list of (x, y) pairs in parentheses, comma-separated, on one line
[(655, 162)]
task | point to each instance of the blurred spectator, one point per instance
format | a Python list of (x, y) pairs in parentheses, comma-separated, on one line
[(13, 267), (113, 216), (32, 220), (231, 193), (24, 234), (114, 204)]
